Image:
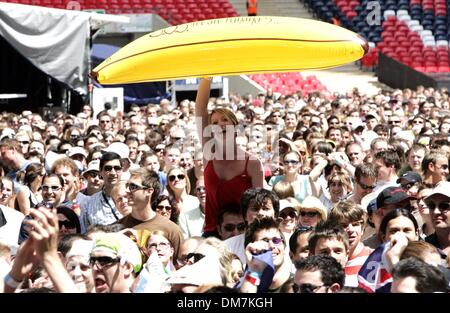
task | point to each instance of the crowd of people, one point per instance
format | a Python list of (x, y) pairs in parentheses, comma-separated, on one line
[(243, 193)]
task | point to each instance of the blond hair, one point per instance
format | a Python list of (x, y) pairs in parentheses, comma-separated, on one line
[(346, 210), (11, 144), (225, 112), (156, 233), (225, 258), (186, 178), (65, 162), (311, 202), (115, 190), (343, 178)]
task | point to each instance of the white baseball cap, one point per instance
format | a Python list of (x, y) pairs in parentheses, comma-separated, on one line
[(443, 188), (119, 148), (93, 166), (77, 150)]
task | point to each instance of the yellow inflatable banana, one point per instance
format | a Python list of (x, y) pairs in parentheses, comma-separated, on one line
[(232, 46)]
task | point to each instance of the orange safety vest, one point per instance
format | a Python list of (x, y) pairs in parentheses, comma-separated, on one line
[(252, 6), (336, 21)]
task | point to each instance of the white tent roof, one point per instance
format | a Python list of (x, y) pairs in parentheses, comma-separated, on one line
[(56, 41)]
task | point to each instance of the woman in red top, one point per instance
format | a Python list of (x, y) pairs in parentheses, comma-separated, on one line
[(229, 170)]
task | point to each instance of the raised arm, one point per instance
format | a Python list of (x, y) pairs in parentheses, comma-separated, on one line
[(45, 237), (342, 160), (201, 107), (256, 171), (315, 174), (255, 266), (318, 169)]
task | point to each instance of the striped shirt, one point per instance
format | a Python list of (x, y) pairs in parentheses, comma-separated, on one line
[(354, 265)]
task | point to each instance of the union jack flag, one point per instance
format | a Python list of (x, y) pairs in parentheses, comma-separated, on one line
[(374, 275)]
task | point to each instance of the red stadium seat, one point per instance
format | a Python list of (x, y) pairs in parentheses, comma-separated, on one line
[(431, 69), (353, 4), (443, 69), (407, 60)]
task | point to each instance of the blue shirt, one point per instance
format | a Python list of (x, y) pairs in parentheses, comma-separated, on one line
[(302, 181), (98, 209)]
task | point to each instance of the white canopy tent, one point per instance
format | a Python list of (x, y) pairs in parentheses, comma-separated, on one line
[(54, 40)]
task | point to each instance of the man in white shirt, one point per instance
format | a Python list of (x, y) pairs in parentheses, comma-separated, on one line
[(191, 222), (387, 163)]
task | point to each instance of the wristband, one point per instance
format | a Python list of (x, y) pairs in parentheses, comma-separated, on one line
[(11, 282), (253, 278)]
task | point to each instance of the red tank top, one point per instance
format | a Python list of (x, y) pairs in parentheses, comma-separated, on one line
[(222, 192)]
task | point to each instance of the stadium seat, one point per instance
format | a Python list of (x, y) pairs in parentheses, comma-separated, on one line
[(431, 69), (443, 69)]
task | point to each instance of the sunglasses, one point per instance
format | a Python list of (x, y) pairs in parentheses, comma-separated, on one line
[(66, 224), (93, 174), (173, 177), (24, 142), (164, 208), (443, 206), (159, 150), (290, 214), (366, 187), (275, 240), (306, 288), (103, 261), (293, 162), (308, 214), (185, 259), (53, 188), (231, 227), (133, 187), (410, 185), (109, 168)]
